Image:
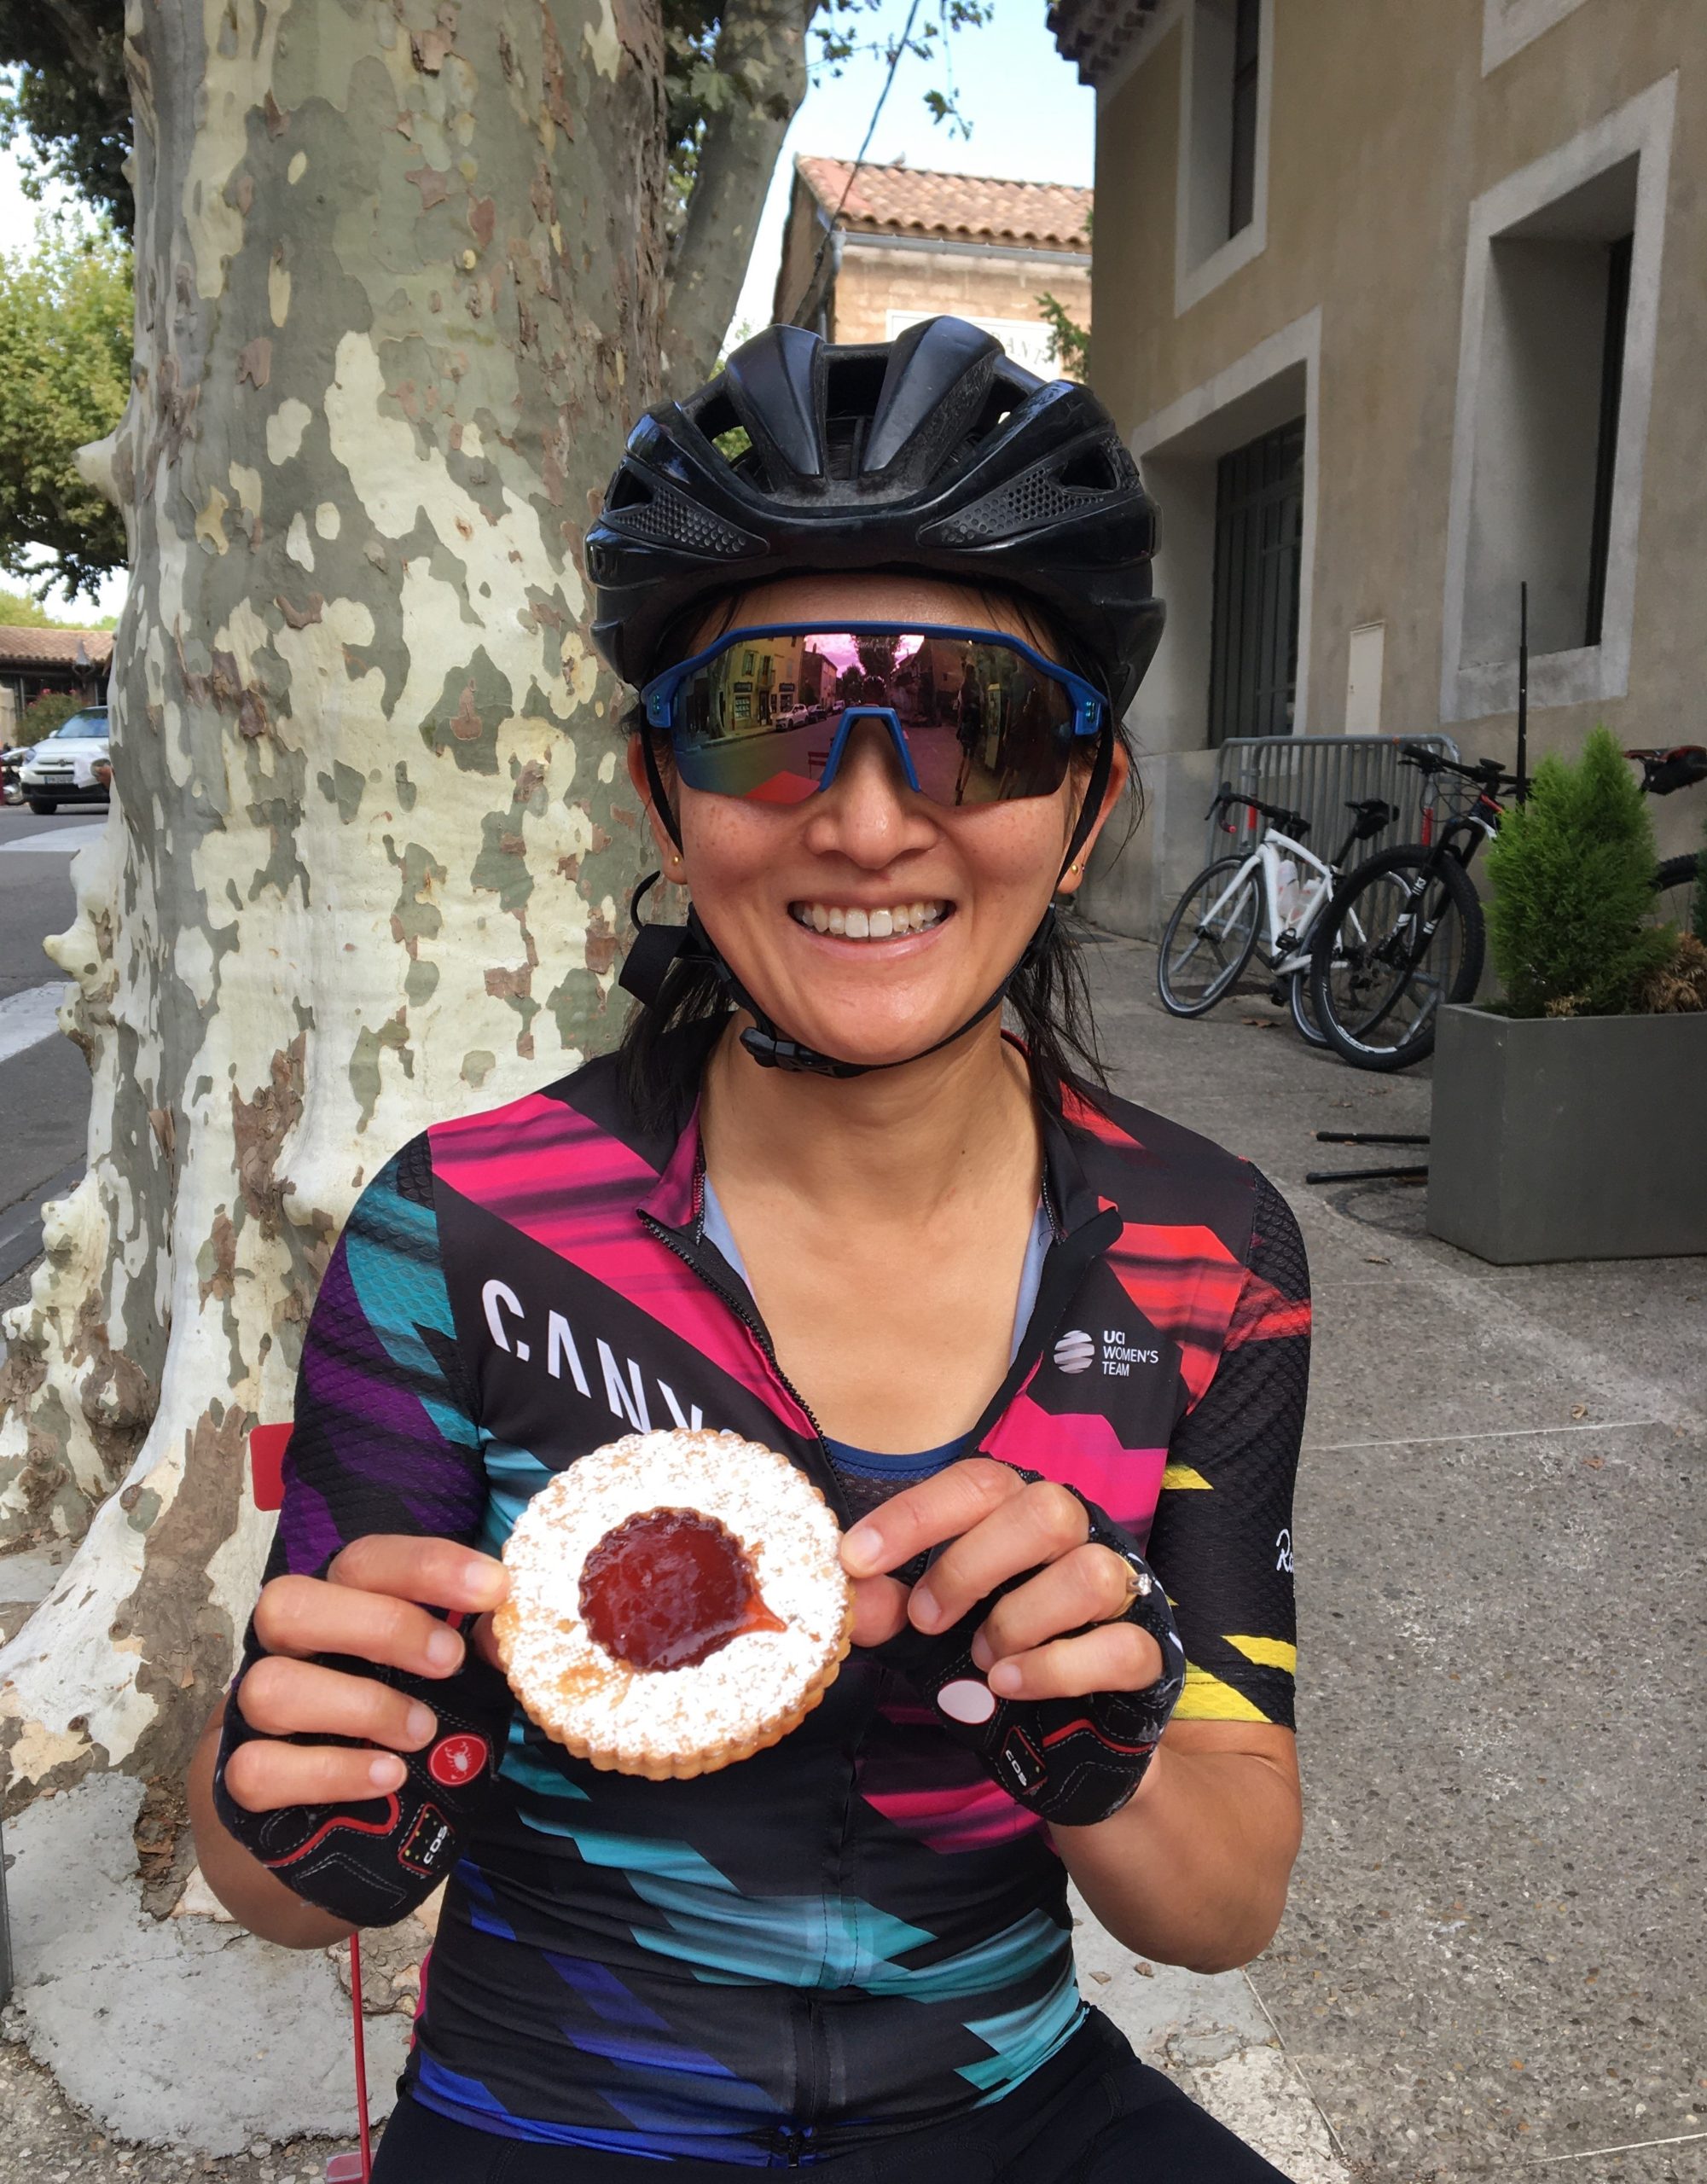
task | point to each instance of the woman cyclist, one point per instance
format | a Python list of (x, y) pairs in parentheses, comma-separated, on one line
[(1033, 1344)]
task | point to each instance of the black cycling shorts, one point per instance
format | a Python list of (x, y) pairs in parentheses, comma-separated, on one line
[(1096, 2114)]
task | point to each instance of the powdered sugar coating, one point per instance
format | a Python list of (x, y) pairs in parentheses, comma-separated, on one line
[(685, 1721)]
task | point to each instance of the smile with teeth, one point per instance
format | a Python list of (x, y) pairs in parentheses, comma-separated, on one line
[(888, 923)]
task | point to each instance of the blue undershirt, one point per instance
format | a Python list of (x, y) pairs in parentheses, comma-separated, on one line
[(872, 1465)]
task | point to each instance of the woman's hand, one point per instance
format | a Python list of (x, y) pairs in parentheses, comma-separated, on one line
[(1001, 1526), (372, 1604)]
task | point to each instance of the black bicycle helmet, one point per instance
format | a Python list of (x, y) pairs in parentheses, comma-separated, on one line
[(935, 452)]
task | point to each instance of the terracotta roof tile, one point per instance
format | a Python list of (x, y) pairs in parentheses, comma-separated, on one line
[(20, 648), (911, 200)]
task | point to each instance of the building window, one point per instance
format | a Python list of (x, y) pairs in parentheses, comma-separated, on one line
[(1618, 256), (1562, 288), (1547, 430), (1254, 615), (1222, 185), (1246, 40)]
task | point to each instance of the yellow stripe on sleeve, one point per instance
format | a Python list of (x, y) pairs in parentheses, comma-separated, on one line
[(1180, 1476), (1207, 1699), (1268, 1653)]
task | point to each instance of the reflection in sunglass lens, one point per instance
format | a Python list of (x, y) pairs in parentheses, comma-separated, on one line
[(982, 723)]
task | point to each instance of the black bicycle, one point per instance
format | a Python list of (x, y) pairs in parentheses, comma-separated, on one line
[(1663, 773), (1405, 932)]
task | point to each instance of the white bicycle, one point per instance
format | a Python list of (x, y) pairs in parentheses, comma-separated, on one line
[(1266, 902)]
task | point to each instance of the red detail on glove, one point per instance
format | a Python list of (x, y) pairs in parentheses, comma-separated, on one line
[(456, 1760)]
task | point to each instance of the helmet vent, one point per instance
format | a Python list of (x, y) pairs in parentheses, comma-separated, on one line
[(852, 384), (723, 428), (668, 518), (1047, 493), (1092, 471)]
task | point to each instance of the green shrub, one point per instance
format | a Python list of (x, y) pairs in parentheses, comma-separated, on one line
[(1573, 875), (44, 714)]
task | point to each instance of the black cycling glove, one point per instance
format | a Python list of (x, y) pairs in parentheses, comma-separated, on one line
[(372, 1861), (1073, 1761)]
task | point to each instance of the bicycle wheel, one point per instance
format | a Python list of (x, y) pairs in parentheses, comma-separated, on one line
[(1210, 936), (1674, 886), (1404, 935), (1303, 1011)]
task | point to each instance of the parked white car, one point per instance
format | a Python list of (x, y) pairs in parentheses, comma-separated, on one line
[(73, 765)]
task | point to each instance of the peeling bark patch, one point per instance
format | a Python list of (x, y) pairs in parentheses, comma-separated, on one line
[(255, 362), (465, 722), (434, 187), (300, 618), (165, 1850), (188, 1647), (601, 943), (259, 1129), (216, 1260)]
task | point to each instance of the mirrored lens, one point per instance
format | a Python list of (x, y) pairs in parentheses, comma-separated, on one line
[(982, 723)]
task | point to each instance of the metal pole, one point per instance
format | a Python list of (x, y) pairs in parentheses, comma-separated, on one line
[(5, 1931), (1522, 691)]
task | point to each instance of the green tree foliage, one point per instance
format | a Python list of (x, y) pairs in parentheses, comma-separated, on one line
[(20, 611), (1573, 872), (1069, 342), (70, 105), (65, 334)]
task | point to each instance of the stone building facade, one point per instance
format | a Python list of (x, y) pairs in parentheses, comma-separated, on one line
[(866, 255), (1399, 307)]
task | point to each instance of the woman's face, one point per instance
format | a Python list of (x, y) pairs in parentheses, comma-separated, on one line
[(758, 872)]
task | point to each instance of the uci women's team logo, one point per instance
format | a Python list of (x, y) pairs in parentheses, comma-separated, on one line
[(1076, 1352)]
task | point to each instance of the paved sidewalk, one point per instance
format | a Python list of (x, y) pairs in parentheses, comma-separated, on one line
[(1490, 1965), (1492, 1959)]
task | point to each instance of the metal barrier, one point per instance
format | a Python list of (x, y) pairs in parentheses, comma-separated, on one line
[(1318, 776)]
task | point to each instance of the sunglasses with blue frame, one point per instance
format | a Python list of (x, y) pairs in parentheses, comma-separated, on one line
[(975, 716)]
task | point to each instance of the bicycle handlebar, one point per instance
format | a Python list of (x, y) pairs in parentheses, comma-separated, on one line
[(1663, 771), (1294, 822), (1486, 773)]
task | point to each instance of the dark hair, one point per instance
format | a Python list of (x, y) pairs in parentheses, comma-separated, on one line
[(1047, 1000)]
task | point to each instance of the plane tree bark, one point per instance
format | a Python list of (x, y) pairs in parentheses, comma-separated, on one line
[(402, 271)]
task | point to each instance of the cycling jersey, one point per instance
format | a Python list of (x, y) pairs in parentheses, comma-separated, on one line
[(855, 1932)]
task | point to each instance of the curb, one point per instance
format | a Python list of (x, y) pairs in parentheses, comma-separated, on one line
[(21, 1223)]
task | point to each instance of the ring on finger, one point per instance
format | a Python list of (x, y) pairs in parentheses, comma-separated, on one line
[(1138, 1583)]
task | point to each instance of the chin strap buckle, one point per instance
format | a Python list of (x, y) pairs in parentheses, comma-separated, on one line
[(772, 1051)]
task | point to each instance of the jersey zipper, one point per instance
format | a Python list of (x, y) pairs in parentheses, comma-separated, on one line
[(826, 1479)]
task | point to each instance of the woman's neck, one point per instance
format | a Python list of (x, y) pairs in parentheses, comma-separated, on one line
[(894, 1144)]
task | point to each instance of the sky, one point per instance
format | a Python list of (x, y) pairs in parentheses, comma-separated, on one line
[(1031, 120)]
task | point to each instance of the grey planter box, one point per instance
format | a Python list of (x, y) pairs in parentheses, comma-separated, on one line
[(1572, 1138)]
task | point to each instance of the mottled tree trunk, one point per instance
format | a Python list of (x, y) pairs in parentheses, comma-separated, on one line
[(399, 276)]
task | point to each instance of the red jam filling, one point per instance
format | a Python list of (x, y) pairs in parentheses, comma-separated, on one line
[(666, 1589)]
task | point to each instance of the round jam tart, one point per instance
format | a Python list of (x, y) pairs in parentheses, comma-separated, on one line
[(676, 1602)]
